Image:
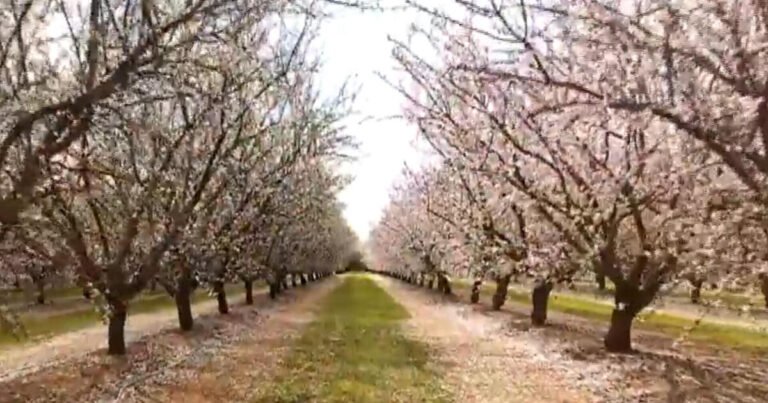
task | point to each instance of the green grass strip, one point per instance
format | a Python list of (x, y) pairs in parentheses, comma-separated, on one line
[(355, 351), (41, 328), (738, 337)]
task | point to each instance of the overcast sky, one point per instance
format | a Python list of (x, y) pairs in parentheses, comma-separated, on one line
[(355, 45)]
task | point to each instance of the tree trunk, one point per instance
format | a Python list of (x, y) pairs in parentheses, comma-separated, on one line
[(475, 297), (500, 296), (764, 287), (184, 303), (765, 297), (600, 279), (443, 284), (431, 282), (248, 292), (540, 299), (303, 279), (293, 281), (116, 328), (40, 292), (696, 290), (273, 290), (619, 337), (221, 297), (284, 282)]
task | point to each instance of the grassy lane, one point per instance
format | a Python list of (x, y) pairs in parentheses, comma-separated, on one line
[(707, 331), (354, 351)]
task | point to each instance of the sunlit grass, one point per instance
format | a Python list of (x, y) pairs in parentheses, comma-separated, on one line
[(707, 331), (355, 352)]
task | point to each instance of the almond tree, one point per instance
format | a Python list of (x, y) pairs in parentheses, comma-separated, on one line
[(144, 154), (55, 84), (607, 182), (411, 241)]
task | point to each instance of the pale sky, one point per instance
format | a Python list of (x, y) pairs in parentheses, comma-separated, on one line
[(355, 45)]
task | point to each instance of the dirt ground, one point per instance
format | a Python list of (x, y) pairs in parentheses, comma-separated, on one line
[(482, 356), (571, 347), (222, 359), (482, 362), (18, 361)]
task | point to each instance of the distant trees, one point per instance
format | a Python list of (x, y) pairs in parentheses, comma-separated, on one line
[(355, 262)]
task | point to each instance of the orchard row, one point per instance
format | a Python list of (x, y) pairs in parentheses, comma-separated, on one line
[(179, 143), (626, 140)]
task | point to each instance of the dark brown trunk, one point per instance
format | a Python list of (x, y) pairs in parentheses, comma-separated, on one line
[(764, 287), (540, 299), (294, 284), (273, 290), (619, 337), (475, 297), (221, 297), (248, 292), (116, 328), (443, 284), (421, 280), (600, 279), (696, 290), (184, 303), (500, 296), (431, 282), (303, 279), (169, 288), (40, 292)]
